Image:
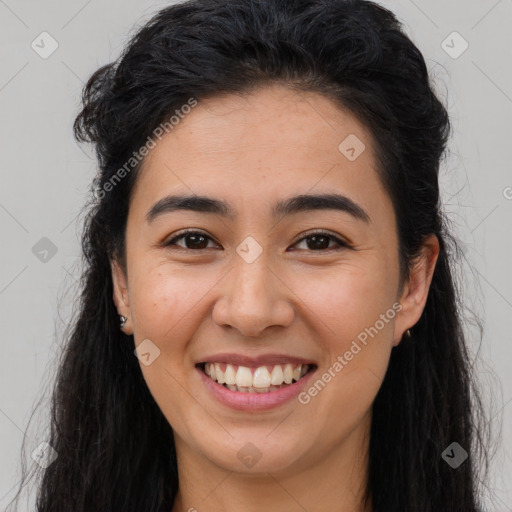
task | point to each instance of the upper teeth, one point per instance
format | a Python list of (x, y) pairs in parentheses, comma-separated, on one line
[(259, 377)]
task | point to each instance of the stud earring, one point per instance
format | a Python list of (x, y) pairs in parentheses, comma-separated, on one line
[(122, 321), (408, 333)]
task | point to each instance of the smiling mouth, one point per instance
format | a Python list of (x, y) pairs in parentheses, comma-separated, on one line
[(263, 379)]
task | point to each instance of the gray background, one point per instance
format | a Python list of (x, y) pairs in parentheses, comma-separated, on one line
[(45, 176)]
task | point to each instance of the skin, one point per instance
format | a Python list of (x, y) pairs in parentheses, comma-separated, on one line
[(252, 151)]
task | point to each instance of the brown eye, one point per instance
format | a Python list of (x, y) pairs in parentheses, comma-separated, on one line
[(320, 241), (194, 240), (315, 242)]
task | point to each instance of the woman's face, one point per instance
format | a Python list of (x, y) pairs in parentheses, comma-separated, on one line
[(255, 288)]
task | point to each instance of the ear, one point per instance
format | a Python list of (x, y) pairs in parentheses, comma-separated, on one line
[(120, 295), (415, 291)]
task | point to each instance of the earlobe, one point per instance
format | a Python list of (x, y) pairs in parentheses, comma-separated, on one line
[(121, 296), (415, 292)]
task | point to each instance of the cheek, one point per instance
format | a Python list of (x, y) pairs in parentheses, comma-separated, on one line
[(354, 308), (350, 299), (167, 304), (358, 343)]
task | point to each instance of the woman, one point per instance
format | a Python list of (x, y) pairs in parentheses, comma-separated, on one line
[(269, 319)]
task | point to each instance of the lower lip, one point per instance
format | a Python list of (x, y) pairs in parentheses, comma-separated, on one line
[(254, 401)]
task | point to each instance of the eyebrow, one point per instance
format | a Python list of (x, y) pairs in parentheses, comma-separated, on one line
[(289, 206)]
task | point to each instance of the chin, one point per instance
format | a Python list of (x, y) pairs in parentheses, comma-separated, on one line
[(254, 452)]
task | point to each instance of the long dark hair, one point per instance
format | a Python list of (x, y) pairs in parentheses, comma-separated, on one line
[(115, 448)]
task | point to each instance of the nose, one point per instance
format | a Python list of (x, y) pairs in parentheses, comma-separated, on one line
[(253, 298)]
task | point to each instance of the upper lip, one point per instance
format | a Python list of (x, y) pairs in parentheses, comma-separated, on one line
[(254, 361)]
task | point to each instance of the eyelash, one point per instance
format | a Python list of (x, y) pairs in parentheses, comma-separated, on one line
[(341, 243)]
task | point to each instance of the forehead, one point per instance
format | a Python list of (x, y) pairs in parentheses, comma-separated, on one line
[(271, 117), (257, 148)]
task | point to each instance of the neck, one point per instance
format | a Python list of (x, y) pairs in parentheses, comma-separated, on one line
[(336, 481)]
